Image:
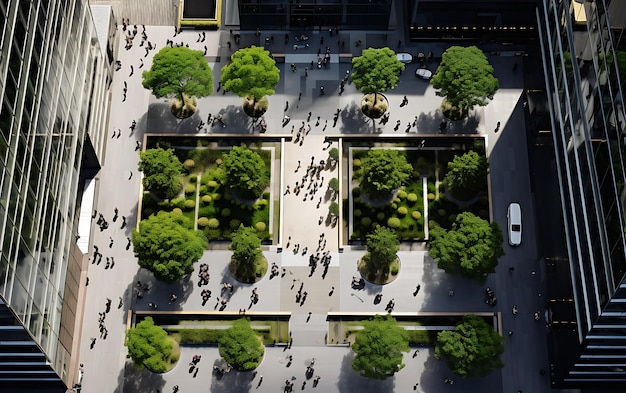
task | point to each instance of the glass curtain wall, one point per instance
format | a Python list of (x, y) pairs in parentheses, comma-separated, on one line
[(588, 124), (45, 93)]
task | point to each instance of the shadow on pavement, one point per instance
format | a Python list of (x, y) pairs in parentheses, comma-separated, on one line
[(133, 380), (353, 121), (232, 381), (350, 381)]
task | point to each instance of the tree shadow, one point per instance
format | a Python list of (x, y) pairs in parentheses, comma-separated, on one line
[(353, 121), (350, 381), (230, 382), (159, 120), (236, 121), (133, 380), (431, 123), (154, 291)]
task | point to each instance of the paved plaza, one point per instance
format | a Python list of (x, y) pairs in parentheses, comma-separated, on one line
[(106, 367)]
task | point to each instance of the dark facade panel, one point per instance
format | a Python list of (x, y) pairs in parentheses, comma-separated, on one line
[(313, 14)]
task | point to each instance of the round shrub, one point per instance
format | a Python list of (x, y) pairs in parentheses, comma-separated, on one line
[(177, 211), (178, 202), (260, 204), (441, 212), (216, 196), (380, 216), (189, 164), (357, 200), (203, 190), (431, 196), (416, 215), (203, 222), (412, 197), (190, 189), (394, 270), (234, 223), (213, 223), (356, 162), (394, 206), (402, 211), (190, 204), (260, 226), (396, 200), (366, 221), (357, 213), (218, 161), (225, 212), (393, 222), (356, 191), (212, 184), (206, 199), (402, 194)]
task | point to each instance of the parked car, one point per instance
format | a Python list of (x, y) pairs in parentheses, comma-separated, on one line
[(514, 218), (405, 57), (424, 73)]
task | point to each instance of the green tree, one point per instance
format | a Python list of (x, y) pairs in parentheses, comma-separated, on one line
[(333, 155), (240, 346), (467, 175), (382, 247), (333, 209), (383, 171), (333, 184), (465, 78), (378, 348), (472, 247), (376, 70), (472, 349), (148, 346), (167, 245), (162, 172), (179, 71), (246, 173), (252, 74), (246, 248)]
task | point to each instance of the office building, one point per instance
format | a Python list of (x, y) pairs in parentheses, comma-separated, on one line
[(314, 14), (53, 93), (587, 319)]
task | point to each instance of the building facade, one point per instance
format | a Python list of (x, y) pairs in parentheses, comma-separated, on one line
[(311, 14), (587, 327), (53, 93)]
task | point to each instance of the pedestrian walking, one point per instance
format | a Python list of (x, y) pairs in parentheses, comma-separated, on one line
[(321, 90)]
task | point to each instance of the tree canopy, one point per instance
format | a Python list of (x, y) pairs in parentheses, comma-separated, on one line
[(472, 349), (148, 346), (167, 245), (246, 248), (472, 247), (240, 346), (467, 175), (465, 78), (378, 348), (177, 71), (382, 171), (162, 172), (251, 73), (376, 70), (382, 247), (246, 173)]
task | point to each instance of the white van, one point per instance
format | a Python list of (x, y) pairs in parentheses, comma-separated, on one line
[(514, 218)]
